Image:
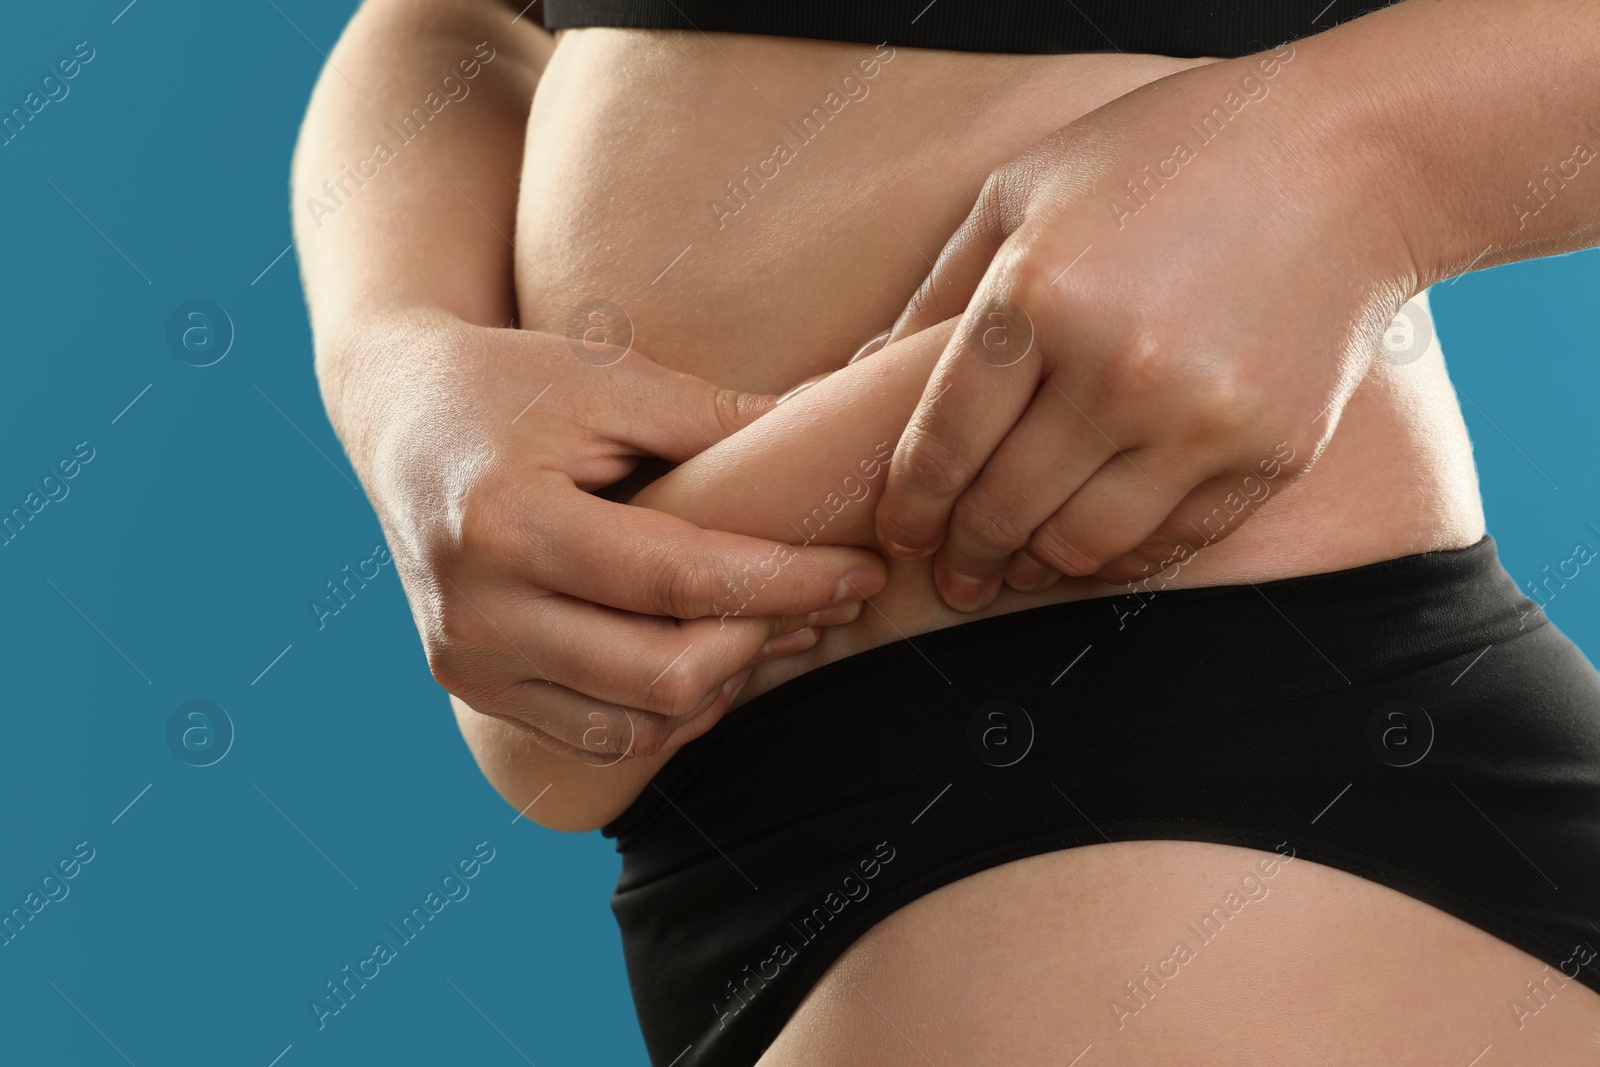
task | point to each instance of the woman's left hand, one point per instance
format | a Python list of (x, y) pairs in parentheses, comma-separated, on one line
[(1167, 304)]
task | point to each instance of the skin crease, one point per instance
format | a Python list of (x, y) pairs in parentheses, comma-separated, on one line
[(639, 139), (523, 581), (771, 279), (1015, 964), (1391, 178)]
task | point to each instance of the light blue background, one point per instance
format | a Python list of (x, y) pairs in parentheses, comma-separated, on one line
[(219, 504)]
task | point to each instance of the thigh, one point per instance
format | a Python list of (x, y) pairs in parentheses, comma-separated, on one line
[(1123, 954)]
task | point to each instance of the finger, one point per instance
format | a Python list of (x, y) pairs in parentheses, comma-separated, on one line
[(599, 733), (609, 386), (1114, 512), (966, 256), (955, 275), (639, 733), (1026, 574), (1213, 511), (982, 384), (1052, 451), (838, 615), (645, 561), (673, 415), (575, 727), (648, 662)]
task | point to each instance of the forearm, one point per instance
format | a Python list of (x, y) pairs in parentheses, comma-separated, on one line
[(810, 470), (405, 180), (378, 225), (1474, 123)]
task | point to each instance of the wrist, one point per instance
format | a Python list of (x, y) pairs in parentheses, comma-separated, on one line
[(377, 373), (1312, 155), (1381, 143), (1473, 154)]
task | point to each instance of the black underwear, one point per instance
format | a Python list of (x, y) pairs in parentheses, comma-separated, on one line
[(1416, 722), (1174, 28)]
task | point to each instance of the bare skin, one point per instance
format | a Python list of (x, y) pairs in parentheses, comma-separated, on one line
[(1165, 307), (1023, 964), (523, 582), (820, 259), (805, 271), (816, 261)]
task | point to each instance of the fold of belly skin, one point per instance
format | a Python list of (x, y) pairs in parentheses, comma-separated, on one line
[(752, 209)]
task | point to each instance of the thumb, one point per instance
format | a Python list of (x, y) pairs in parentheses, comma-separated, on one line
[(962, 263), (675, 416)]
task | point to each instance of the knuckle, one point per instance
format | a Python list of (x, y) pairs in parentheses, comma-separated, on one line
[(924, 305), (682, 688), (485, 528), (989, 526), (989, 211), (684, 586), (444, 666), (1051, 546), (458, 626), (1003, 199), (902, 530), (1027, 275), (455, 669), (933, 467), (437, 554), (1226, 403), (464, 649), (1141, 363), (549, 742), (1018, 303)]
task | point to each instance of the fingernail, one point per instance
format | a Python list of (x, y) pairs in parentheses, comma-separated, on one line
[(899, 551), (837, 615), (857, 585), (964, 592), (788, 644), (732, 686), (871, 346)]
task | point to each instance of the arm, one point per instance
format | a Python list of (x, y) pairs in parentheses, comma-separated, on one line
[(403, 240), (537, 601), (1480, 146), (808, 471)]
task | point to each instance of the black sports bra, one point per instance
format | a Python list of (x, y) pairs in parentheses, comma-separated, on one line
[(1185, 28)]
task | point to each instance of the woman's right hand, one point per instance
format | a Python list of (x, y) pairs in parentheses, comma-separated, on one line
[(601, 628)]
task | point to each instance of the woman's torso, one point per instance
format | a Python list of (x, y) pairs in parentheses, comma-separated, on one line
[(634, 136), (758, 207)]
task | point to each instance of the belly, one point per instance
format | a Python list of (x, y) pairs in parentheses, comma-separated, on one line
[(752, 209), (760, 206), (757, 208)]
